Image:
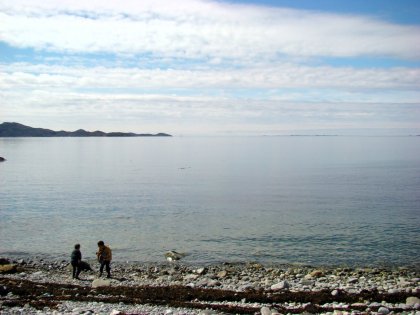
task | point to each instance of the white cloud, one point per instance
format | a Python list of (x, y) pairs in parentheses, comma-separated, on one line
[(280, 76), (199, 29)]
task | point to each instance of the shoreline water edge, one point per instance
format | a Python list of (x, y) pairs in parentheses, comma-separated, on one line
[(38, 286)]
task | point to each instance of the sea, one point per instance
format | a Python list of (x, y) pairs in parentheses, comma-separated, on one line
[(312, 200)]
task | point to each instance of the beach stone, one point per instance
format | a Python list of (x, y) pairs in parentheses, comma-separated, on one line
[(4, 269), (383, 310), (265, 310), (352, 280), (412, 300), (222, 274), (115, 312), (375, 304), (190, 277), (316, 274), (200, 271), (280, 286), (100, 283)]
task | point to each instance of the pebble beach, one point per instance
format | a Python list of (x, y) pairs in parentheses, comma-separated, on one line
[(29, 286)]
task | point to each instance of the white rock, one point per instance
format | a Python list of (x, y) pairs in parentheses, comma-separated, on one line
[(412, 300), (190, 277), (375, 304), (115, 312), (265, 310), (352, 280), (334, 292), (38, 273), (280, 286), (200, 271), (383, 310), (100, 283), (213, 283)]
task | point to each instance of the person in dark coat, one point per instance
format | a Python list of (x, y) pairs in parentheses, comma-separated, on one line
[(76, 258)]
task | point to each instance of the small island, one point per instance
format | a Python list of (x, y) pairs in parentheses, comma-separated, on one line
[(13, 129)]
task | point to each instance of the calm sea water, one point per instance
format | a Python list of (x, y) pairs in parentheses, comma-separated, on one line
[(312, 200)]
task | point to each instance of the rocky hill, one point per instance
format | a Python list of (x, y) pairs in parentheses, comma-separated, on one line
[(13, 129)]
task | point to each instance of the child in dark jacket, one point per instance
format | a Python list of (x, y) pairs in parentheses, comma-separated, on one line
[(76, 258)]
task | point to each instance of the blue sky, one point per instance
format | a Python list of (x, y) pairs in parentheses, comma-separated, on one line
[(212, 67)]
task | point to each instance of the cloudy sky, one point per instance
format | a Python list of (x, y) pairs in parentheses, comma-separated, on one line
[(212, 67)]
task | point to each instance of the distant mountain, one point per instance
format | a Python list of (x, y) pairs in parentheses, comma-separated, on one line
[(12, 129)]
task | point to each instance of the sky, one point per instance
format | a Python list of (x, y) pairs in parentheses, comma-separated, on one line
[(206, 67)]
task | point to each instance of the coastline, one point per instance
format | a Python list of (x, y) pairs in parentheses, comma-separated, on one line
[(176, 288)]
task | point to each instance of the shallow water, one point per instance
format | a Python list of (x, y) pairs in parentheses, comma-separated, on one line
[(312, 200)]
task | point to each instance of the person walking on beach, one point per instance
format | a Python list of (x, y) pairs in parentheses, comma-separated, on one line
[(104, 255), (76, 258)]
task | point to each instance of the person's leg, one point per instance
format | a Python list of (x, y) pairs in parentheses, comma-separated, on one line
[(101, 270), (74, 270), (108, 269), (78, 271)]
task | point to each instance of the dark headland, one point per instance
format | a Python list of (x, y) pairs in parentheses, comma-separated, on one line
[(13, 129)]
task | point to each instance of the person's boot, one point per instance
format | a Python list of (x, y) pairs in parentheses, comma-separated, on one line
[(108, 276)]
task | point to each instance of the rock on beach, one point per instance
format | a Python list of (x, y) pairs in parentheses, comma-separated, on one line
[(412, 300), (100, 283), (280, 286)]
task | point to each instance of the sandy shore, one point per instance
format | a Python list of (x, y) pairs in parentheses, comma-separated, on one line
[(46, 287)]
